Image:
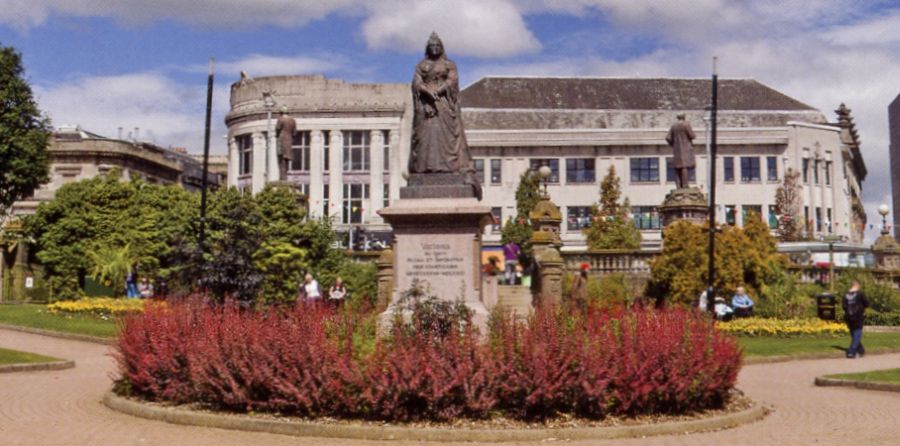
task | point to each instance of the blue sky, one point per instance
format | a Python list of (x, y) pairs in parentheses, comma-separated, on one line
[(106, 64)]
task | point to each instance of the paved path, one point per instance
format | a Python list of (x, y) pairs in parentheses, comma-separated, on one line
[(63, 407)]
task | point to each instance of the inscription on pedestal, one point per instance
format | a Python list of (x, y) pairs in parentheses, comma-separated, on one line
[(434, 259), (443, 262)]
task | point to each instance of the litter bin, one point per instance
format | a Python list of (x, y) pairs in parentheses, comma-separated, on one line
[(825, 306)]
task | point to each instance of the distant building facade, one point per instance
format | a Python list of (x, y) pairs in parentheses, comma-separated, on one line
[(894, 124), (351, 147), (76, 154)]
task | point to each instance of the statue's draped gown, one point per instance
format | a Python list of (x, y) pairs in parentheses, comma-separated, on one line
[(439, 144)]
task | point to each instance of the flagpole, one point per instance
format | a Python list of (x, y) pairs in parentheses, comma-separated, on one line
[(710, 290)]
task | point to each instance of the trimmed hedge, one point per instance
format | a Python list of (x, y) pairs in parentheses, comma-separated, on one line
[(306, 361)]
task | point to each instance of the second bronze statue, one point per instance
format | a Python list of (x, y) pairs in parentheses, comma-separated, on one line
[(284, 133)]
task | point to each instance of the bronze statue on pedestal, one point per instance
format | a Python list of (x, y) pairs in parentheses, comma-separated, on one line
[(681, 137), (284, 134)]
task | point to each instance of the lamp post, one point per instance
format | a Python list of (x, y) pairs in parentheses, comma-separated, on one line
[(711, 267), (269, 104), (831, 240)]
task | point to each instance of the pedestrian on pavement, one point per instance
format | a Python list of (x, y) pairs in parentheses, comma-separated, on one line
[(855, 304), (310, 290), (511, 253), (337, 293), (131, 288)]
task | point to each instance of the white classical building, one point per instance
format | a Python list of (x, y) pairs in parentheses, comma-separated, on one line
[(352, 146)]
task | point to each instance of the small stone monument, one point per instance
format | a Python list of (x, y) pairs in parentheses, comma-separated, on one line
[(438, 220), (684, 202), (545, 241), (886, 249)]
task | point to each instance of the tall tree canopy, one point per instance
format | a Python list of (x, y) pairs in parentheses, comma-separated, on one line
[(611, 226), (519, 230), (24, 134), (787, 208)]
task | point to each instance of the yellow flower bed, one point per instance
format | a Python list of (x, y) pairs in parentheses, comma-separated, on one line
[(101, 306), (756, 326)]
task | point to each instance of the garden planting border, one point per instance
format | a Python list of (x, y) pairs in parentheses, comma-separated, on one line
[(822, 381), (37, 366), (808, 356), (374, 432), (59, 334)]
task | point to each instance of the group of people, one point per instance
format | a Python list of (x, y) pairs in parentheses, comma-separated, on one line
[(515, 271), (741, 305), (138, 289), (311, 291)]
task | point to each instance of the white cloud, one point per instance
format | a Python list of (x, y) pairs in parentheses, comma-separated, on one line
[(232, 13), (167, 113), (481, 28), (878, 31)]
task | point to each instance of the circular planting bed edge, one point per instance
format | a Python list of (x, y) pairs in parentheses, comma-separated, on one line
[(369, 432)]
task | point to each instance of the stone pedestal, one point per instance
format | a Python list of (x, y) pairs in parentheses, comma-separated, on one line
[(385, 275), (437, 241), (684, 204)]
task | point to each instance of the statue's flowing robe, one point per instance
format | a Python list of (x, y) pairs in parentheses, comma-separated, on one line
[(284, 128), (439, 143)]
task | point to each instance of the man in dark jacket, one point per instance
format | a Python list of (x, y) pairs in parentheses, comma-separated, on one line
[(855, 304)]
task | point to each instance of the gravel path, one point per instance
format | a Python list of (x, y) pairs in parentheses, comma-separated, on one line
[(63, 407)]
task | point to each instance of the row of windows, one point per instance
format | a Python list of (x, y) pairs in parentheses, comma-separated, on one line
[(816, 166), (356, 151)]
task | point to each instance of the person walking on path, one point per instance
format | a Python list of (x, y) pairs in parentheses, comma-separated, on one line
[(310, 290), (511, 253), (855, 304), (337, 293)]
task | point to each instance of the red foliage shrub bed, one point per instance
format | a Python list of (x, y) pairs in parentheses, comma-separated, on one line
[(309, 361)]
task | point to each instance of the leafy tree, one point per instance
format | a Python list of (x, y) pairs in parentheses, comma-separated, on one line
[(24, 134), (787, 208), (744, 257), (611, 226), (282, 265), (519, 229), (87, 222), (112, 264)]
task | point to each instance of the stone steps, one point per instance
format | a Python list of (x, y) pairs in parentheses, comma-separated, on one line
[(515, 298)]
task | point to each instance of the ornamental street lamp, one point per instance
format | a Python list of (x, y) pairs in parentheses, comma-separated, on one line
[(544, 172)]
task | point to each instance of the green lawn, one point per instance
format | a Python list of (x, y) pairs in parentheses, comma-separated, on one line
[(37, 316), (890, 376), (17, 357), (767, 346)]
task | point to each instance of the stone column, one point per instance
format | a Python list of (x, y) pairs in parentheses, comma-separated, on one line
[(385, 277), (316, 175), (550, 275), (234, 162), (396, 163), (335, 175), (258, 179), (272, 172), (376, 174)]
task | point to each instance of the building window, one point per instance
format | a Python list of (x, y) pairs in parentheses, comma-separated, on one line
[(300, 149), (326, 144), (580, 170), (354, 196), (245, 153), (747, 209), (644, 170), (496, 177), (496, 219), (771, 168), (828, 221), (806, 221), (805, 170), (479, 169), (578, 217), (828, 173), (670, 172), (728, 165), (730, 218), (325, 200), (552, 163), (356, 151), (304, 189), (386, 139), (818, 219), (386, 195), (750, 169), (816, 171), (645, 217), (773, 217)]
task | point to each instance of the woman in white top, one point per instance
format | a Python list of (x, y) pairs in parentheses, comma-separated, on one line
[(310, 289)]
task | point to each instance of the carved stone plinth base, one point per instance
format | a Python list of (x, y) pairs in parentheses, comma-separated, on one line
[(438, 243), (436, 185), (684, 204)]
